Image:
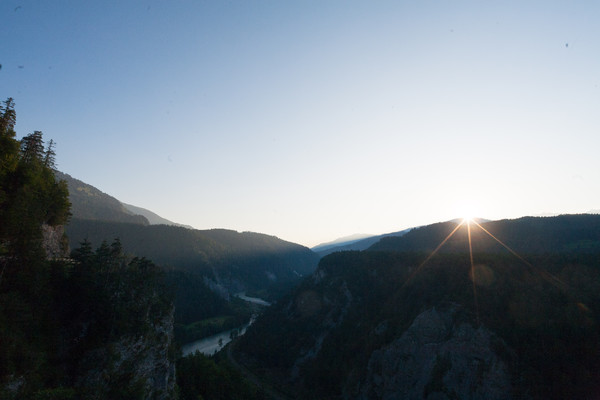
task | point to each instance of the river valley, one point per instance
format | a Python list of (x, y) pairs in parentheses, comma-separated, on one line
[(212, 344)]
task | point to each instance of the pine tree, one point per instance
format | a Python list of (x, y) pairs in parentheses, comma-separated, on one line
[(50, 156), (32, 147)]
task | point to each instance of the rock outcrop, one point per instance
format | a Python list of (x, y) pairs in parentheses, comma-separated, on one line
[(440, 356), (141, 367), (54, 241)]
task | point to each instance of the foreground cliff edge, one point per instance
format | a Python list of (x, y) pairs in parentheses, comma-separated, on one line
[(91, 324)]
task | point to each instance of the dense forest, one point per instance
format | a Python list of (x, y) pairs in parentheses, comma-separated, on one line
[(343, 332), (207, 267), (527, 235), (87, 202), (201, 377), (201, 312), (259, 264), (78, 326)]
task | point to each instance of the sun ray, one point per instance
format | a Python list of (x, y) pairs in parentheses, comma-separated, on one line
[(473, 271), (545, 274), (432, 254), (555, 281)]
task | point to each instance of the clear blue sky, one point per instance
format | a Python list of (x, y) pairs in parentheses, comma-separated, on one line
[(311, 120)]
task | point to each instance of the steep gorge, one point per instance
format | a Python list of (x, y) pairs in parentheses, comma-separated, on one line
[(409, 324)]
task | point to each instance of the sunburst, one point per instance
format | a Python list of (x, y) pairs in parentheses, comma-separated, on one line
[(468, 221)]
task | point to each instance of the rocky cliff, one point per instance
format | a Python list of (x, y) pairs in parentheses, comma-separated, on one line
[(135, 366), (54, 241), (440, 356), (385, 325)]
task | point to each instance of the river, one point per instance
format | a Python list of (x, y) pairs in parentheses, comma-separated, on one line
[(255, 300), (212, 344)]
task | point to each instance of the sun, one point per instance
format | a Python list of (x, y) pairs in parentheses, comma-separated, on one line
[(467, 212), (469, 221)]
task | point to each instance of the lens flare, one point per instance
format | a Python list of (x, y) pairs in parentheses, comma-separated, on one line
[(433, 253), (483, 273), (473, 271)]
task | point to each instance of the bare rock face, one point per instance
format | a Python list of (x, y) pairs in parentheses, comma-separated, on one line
[(137, 367), (440, 356), (54, 241)]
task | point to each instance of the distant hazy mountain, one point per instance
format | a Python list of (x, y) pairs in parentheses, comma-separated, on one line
[(153, 219), (343, 241), (87, 202), (395, 323), (358, 244)]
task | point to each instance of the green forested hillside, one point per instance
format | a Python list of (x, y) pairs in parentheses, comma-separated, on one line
[(95, 325), (259, 264), (153, 218), (201, 377), (376, 324), (87, 202), (206, 269), (528, 235)]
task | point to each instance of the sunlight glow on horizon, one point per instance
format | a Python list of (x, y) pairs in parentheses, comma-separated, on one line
[(475, 279), (314, 121)]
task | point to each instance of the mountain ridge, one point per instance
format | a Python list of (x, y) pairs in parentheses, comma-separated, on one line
[(237, 261), (205, 268), (152, 217), (89, 202), (416, 317), (342, 241), (538, 235), (360, 244)]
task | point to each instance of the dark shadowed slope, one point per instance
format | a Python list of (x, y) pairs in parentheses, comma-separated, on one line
[(535, 235), (261, 264), (231, 261), (153, 218), (384, 324), (87, 202)]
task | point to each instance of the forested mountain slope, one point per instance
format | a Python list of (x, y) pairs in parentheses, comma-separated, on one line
[(153, 218), (87, 202), (204, 267), (527, 235), (412, 324), (95, 324), (253, 262)]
